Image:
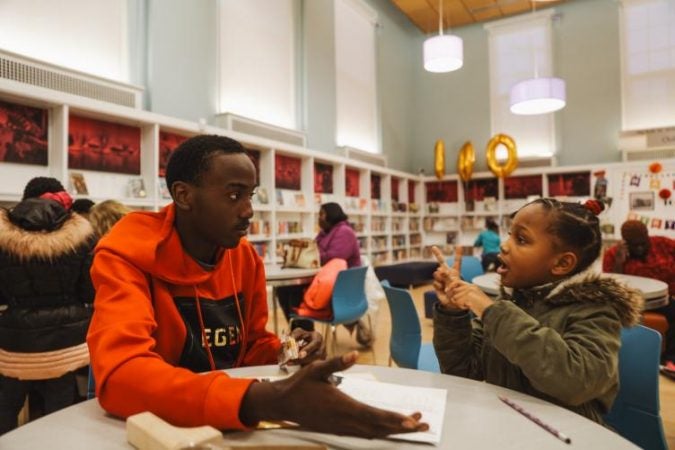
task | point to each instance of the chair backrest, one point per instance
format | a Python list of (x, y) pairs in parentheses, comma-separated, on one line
[(471, 267), (406, 333), (349, 300), (635, 412)]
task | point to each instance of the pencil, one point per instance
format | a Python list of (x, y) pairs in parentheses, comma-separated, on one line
[(536, 420)]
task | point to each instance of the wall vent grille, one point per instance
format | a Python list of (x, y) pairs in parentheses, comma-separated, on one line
[(32, 72), (245, 125)]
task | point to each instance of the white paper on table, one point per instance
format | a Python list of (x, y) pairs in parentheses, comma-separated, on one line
[(402, 399)]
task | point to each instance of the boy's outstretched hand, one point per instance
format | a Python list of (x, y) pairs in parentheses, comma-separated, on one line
[(309, 399)]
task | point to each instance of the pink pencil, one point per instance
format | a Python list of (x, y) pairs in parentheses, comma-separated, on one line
[(536, 420)]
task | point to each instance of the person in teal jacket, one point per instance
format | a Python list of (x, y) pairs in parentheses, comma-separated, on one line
[(555, 332), (489, 239)]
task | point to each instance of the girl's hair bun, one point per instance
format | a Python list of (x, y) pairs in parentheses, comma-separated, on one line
[(594, 206)]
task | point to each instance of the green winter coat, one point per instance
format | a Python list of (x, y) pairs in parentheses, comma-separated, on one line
[(559, 342)]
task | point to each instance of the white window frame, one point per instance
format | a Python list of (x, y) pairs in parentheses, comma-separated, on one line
[(542, 65), (350, 119)]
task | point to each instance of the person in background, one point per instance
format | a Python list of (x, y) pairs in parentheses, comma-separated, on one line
[(45, 256), (489, 240), (555, 331), (651, 257), (106, 214), (180, 296), (82, 206)]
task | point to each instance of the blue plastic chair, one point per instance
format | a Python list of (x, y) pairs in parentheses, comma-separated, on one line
[(471, 267), (635, 414), (405, 344), (348, 302)]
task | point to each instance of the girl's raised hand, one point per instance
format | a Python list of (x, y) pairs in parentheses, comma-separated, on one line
[(443, 276), (468, 296)]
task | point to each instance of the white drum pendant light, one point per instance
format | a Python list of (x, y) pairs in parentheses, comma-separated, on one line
[(538, 96), (443, 53)]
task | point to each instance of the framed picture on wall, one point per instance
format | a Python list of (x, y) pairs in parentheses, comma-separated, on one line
[(287, 170), (570, 184), (441, 191), (375, 185), (23, 134), (523, 187), (642, 201), (103, 146), (352, 182), (167, 144), (323, 178)]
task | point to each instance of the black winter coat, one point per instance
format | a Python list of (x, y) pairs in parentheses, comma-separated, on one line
[(45, 257)]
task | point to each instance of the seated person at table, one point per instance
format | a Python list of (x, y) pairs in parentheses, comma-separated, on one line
[(555, 331), (652, 257), (489, 239), (178, 293)]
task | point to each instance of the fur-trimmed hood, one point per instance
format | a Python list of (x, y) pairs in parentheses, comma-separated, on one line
[(589, 286), (75, 232)]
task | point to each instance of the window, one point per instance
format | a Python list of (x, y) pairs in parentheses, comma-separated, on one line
[(520, 48), (356, 90), (257, 60), (85, 35), (648, 63)]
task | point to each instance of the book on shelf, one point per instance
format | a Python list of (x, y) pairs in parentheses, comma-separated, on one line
[(261, 196), (78, 184), (137, 188), (299, 200), (163, 189)]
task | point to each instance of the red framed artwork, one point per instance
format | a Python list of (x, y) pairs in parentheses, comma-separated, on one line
[(394, 188), (23, 134), (167, 144), (442, 191), (477, 189), (323, 178), (523, 186), (287, 170), (352, 182), (255, 158), (375, 186), (411, 192), (574, 184), (103, 146)]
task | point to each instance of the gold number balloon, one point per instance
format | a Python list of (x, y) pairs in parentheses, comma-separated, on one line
[(502, 170), (465, 161), (439, 159)]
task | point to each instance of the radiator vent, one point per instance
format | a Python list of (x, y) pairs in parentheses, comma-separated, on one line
[(364, 156), (28, 71), (655, 155), (535, 162), (245, 125)]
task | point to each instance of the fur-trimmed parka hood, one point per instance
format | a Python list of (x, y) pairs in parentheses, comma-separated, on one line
[(75, 232), (588, 286)]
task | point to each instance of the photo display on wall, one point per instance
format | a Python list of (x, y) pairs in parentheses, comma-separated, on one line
[(375, 185), (394, 188), (523, 186), (103, 146), (479, 188), (287, 170), (167, 144), (323, 178), (352, 182), (442, 191), (411, 192), (570, 184), (23, 134)]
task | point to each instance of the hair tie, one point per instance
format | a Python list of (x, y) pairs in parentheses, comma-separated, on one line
[(61, 197), (594, 206)]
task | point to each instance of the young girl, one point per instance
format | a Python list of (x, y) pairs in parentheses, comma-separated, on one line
[(554, 333)]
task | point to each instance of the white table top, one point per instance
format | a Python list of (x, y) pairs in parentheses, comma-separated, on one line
[(274, 272), (655, 292), (474, 418)]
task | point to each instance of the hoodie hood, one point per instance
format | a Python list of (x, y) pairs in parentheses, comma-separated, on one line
[(587, 286), (151, 242)]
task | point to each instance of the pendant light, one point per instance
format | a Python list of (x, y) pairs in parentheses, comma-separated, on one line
[(538, 95), (445, 52)]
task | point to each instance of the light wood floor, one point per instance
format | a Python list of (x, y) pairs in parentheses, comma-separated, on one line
[(380, 355)]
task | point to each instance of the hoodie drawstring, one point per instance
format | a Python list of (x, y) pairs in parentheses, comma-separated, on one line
[(202, 328)]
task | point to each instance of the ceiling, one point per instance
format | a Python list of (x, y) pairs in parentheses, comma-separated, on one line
[(424, 13)]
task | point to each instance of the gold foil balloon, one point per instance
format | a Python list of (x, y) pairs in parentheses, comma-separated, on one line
[(439, 159), (502, 170), (465, 161)]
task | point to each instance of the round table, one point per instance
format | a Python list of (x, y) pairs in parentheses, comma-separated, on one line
[(474, 418), (655, 292), (276, 276)]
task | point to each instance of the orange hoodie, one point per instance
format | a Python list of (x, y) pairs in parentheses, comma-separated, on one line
[(152, 313)]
